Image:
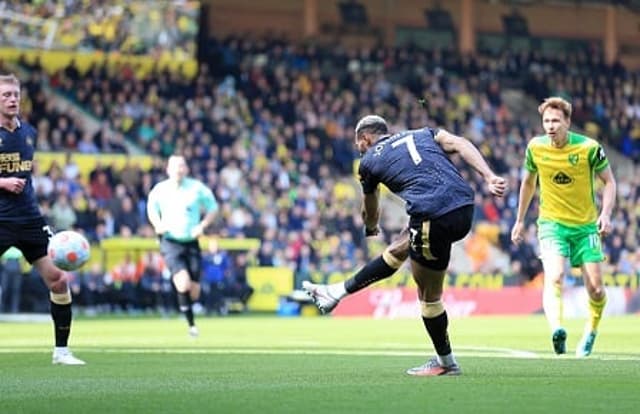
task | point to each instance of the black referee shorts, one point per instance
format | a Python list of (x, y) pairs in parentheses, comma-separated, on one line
[(182, 256)]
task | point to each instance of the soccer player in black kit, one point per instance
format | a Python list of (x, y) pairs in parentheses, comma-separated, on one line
[(21, 223), (415, 165)]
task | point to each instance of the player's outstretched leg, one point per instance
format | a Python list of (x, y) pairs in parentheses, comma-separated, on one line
[(327, 297), (559, 340), (322, 296)]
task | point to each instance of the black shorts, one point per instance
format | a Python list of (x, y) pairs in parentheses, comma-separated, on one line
[(31, 238), (182, 256), (431, 240)]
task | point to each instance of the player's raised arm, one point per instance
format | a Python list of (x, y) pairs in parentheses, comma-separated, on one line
[(451, 143)]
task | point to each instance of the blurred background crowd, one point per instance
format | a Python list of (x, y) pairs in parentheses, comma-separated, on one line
[(140, 27), (267, 123)]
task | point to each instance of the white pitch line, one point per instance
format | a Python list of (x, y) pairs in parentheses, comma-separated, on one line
[(345, 352), (478, 352), (516, 353)]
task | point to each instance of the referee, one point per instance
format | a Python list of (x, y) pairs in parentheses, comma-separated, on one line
[(180, 208)]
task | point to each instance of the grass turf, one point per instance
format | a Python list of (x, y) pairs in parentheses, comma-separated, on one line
[(315, 365)]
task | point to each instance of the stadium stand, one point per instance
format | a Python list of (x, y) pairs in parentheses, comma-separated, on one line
[(268, 125), (131, 27)]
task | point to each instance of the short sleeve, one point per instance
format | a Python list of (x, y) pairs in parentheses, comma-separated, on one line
[(207, 199), (432, 131), (152, 201), (367, 180), (598, 159), (529, 162)]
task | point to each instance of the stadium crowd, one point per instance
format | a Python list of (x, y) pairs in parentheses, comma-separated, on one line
[(268, 126), (131, 27)]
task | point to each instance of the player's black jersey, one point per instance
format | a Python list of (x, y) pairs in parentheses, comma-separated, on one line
[(16, 160), (414, 167)]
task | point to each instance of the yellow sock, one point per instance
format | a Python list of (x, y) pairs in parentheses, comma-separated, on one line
[(596, 307), (552, 304)]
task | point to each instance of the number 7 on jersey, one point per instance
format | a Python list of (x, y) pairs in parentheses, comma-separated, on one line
[(411, 147)]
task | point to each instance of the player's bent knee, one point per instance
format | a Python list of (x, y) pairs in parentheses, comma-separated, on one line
[(194, 291), (597, 293), (399, 248), (57, 282), (181, 281), (395, 255), (431, 309), (61, 298), (391, 260)]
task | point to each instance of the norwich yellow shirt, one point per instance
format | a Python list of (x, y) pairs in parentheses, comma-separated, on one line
[(567, 177)]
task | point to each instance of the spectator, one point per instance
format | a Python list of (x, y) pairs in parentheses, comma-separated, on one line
[(62, 214), (216, 272)]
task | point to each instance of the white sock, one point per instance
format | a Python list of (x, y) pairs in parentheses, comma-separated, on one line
[(447, 360), (552, 306), (337, 290), (60, 349)]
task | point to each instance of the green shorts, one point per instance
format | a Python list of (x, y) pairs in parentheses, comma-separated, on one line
[(581, 244)]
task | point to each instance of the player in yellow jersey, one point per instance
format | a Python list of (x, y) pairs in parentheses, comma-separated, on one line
[(569, 224)]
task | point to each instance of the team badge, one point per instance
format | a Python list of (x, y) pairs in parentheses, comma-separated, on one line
[(573, 159)]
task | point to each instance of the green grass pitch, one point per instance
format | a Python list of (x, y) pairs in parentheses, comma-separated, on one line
[(265, 364)]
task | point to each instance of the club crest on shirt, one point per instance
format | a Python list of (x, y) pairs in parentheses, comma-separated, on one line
[(574, 158)]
